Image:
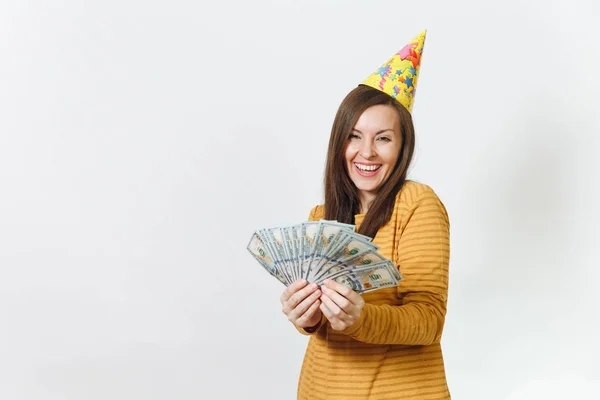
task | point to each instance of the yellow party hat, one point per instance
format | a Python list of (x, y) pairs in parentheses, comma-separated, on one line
[(398, 76)]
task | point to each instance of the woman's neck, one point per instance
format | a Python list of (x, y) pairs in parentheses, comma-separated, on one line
[(366, 199)]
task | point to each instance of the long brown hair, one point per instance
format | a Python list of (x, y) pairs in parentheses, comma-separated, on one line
[(341, 195)]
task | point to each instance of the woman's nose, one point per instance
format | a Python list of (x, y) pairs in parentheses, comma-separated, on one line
[(366, 149)]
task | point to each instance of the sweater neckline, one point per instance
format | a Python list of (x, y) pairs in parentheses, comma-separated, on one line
[(358, 219)]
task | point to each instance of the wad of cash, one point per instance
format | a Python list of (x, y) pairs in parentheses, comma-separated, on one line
[(319, 250)]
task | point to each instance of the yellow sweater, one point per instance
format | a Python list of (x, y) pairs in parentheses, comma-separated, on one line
[(393, 351)]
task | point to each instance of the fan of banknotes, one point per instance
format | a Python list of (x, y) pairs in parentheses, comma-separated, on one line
[(319, 250)]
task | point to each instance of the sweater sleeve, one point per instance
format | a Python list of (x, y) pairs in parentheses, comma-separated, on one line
[(313, 216), (423, 256)]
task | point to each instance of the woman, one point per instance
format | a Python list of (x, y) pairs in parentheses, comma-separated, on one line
[(384, 344)]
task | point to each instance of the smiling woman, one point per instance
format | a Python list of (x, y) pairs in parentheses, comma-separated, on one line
[(383, 344), (370, 149), (373, 151)]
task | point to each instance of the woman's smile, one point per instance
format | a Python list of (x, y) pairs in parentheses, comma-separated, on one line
[(367, 170)]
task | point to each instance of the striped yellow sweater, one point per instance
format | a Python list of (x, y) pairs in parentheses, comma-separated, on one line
[(393, 351)]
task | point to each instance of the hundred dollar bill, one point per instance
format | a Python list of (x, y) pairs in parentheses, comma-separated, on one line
[(295, 233), (295, 237), (291, 258), (308, 232), (368, 258), (277, 252), (351, 248), (341, 225), (371, 257), (281, 235), (315, 245), (301, 239), (380, 278), (366, 279), (287, 240), (291, 236), (258, 250), (326, 232), (334, 266), (332, 237), (319, 250), (342, 238)]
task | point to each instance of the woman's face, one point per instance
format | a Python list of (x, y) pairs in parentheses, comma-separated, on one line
[(373, 148)]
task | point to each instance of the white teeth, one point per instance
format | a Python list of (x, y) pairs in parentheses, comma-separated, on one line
[(367, 167)]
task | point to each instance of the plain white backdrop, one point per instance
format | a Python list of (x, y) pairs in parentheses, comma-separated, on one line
[(142, 142)]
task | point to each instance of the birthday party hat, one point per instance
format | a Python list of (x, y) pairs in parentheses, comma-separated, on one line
[(398, 76)]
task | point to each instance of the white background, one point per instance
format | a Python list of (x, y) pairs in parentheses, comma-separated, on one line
[(142, 142)]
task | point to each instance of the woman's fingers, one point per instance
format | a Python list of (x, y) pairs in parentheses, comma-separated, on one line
[(340, 301), (296, 298), (305, 305), (325, 310), (308, 314), (293, 288), (345, 292), (333, 314), (340, 305), (333, 310)]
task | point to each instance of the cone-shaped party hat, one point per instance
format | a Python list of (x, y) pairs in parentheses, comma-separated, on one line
[(398, 76)]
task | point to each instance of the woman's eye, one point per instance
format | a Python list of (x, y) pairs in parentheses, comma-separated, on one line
[(353, 136), (385, 139)]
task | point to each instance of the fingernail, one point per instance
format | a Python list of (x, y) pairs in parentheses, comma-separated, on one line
[(303, 281)]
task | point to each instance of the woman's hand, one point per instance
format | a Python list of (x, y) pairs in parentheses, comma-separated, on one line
[(300, 303), (340, 305)]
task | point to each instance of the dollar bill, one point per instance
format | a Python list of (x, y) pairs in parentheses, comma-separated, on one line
[(351, 248), (342, 238), (277, 252), (326, 232), (371, 257), (292, 238), (289, 242), (367, 279), (319, 250), (308, 234), (334, 266), (258, 250)]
